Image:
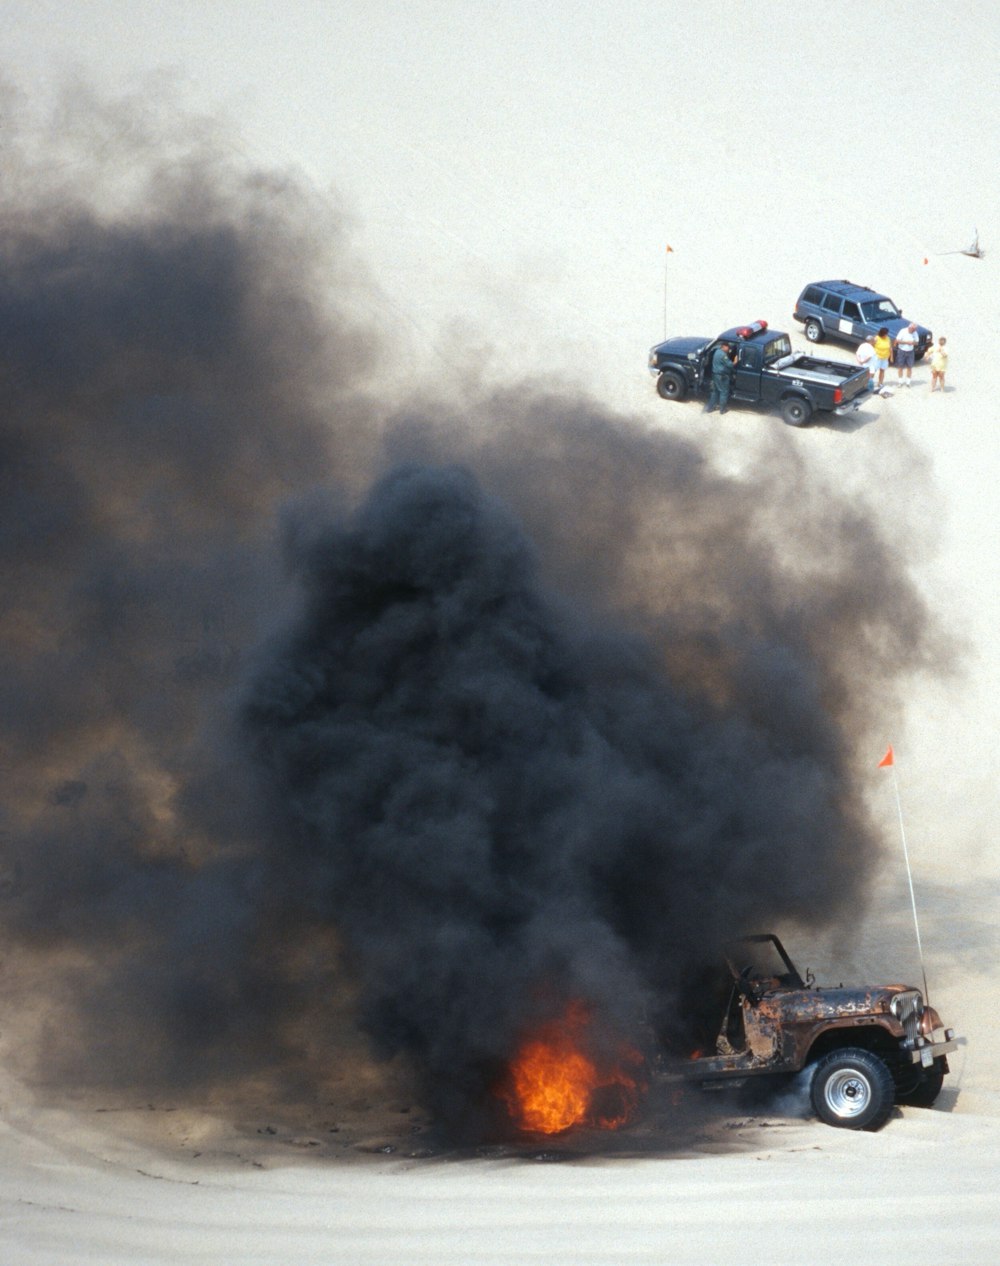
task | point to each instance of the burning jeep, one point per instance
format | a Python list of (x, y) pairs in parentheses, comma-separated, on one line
[(868, 1047)]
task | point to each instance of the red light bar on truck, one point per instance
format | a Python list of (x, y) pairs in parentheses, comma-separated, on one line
[(748, 331)]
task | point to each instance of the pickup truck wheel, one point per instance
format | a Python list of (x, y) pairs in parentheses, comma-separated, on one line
[(852, 1089), (671, 386), (795, 410), (924, 1094), (814, 331)]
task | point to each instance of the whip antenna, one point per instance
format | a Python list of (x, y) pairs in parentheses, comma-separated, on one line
[(888, 762)]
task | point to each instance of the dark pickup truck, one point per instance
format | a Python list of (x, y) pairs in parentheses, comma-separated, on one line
[(767, 372)]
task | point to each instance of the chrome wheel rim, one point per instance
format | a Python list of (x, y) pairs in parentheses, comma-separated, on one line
[(848, 1094)]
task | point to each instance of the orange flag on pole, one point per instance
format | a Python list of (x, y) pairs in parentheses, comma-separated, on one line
[(670, 249), (886, 759)]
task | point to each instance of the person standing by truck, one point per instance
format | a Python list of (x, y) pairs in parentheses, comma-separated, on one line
[(906, 342), (723, 369), (883, 350), (939, 363), (865, 355)]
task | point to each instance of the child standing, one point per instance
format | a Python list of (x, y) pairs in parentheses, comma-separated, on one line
[(939, 364)]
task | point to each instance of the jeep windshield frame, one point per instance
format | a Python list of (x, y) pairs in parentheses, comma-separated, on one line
[(763, 960)]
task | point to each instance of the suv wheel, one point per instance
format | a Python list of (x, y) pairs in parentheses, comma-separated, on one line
[(814, 331), (852, 1089), (670, 386)]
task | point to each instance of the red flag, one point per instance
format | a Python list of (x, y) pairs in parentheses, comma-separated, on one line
[(925, 259), (886, 759)]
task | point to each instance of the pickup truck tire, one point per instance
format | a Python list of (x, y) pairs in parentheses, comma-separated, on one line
[(924, 1094), (671, 386), (795, 410), (814, 331), (852, 1089)]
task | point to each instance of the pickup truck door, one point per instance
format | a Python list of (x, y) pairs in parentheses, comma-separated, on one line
[(746, 381)]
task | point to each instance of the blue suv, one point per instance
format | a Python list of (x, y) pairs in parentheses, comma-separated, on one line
[(842, 310)]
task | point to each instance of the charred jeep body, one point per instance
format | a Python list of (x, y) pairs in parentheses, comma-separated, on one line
[(868, 1047)]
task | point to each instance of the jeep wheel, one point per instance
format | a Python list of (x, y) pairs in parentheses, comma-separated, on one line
[(852, 1089), (671, 386), (924, 1094), (795, 410), (814, 331)]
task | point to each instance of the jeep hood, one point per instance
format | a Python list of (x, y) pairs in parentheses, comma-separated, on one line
[(828, 1004)]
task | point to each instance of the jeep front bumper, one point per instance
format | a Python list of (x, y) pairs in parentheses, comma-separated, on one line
[(927, 1051)]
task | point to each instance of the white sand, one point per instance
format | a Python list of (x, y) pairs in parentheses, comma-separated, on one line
[(82, 1186), (794, 1192)]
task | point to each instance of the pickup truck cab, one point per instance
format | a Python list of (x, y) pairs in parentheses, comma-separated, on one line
[(767, 372), (841, 310)]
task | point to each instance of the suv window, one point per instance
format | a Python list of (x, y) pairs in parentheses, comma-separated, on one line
[(851, 311), (812, 294), (832, 303)]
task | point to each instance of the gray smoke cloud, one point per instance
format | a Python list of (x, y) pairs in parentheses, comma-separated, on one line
[(315, 722)]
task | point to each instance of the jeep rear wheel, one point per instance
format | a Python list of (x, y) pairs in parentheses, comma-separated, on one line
[(814, 331), (795, 410), (671, 386), (852, 1089)]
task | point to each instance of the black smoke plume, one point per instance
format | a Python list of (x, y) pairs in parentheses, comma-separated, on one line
[(316, 724)]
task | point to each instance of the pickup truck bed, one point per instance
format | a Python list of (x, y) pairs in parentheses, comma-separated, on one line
[(811, 369)]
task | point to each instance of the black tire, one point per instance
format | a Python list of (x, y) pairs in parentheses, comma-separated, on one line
[(671, 386), (852, 1089), (795, 410), (924, 1094), (814, 331)]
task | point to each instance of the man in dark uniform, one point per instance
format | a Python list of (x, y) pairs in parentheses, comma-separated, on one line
[(723, 368)]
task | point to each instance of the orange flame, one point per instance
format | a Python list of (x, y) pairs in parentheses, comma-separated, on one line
[(554, 1084)]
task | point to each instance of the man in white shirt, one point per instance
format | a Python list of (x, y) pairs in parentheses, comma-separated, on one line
[(906, 342)]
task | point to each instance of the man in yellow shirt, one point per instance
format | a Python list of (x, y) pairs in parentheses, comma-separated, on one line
[(883, 350)]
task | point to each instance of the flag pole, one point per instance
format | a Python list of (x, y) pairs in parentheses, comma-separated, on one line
[(889, 760), (666, 255)]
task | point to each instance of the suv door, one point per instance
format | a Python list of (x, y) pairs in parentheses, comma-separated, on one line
[(851, 323), (831, 313)]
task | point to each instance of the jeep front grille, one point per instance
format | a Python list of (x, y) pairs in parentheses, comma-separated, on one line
[(908, 1007)]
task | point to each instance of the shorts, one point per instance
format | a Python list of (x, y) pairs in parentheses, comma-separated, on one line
[(904, 357), (878, 362)]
